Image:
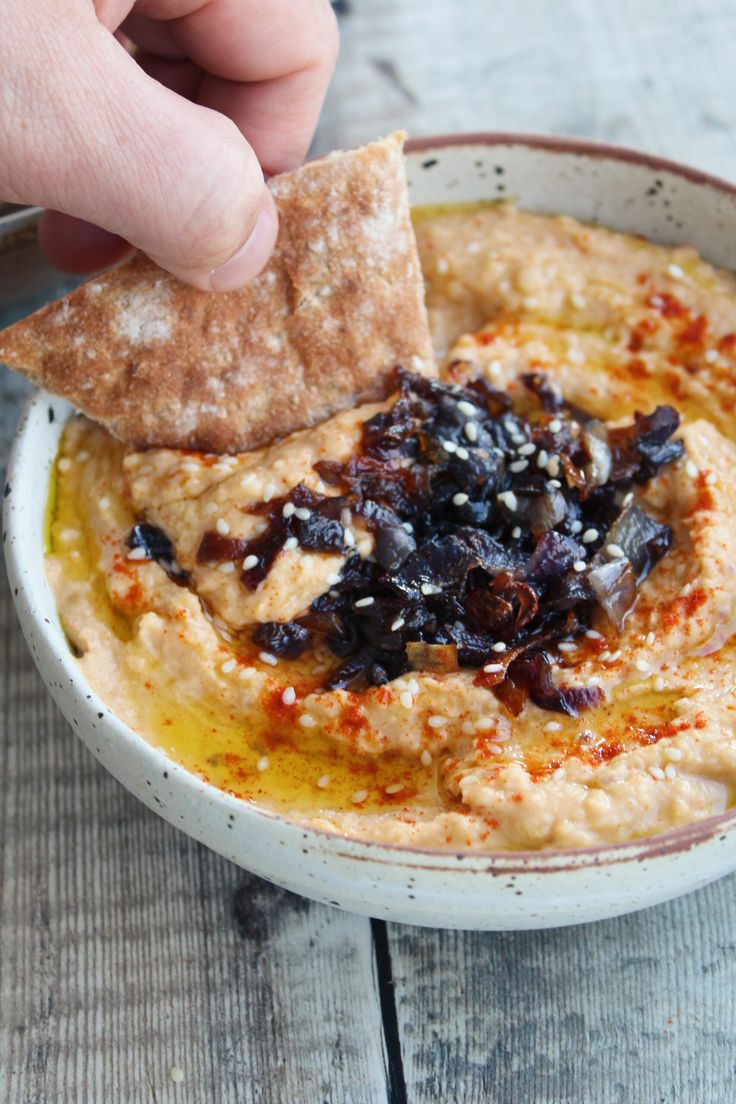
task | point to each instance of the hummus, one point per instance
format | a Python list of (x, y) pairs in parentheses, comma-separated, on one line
[(433, 757)]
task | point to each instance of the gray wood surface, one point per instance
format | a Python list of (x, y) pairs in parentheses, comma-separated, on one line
[(127, 950)]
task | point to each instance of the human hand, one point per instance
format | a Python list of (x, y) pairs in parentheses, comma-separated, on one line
[(166, 151)]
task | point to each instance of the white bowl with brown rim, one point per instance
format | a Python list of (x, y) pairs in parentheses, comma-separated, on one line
[(619, 188)]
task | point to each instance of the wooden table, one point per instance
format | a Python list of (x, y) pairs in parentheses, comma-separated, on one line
[(129, 951)]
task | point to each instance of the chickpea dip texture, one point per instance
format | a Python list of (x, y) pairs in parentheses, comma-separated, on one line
[(434, 758)]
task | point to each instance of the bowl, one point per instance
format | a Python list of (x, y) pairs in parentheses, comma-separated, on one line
[(625, 190)]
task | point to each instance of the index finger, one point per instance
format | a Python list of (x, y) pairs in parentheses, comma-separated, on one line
[(266, 63)]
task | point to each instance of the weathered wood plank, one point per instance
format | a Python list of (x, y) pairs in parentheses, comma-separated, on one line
[(647, 73), (635, 1009), (127, 949)]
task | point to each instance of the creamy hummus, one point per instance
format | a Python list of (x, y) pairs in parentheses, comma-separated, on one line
[(434, 759)]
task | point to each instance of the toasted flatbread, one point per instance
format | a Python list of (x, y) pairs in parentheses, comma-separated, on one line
[(339, 306)]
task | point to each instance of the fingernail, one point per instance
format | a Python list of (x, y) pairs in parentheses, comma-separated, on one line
[(253, 254)]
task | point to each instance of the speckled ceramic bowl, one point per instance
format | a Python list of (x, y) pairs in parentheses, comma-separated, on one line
[(622, 189)]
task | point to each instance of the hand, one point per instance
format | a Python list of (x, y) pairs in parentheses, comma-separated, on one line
[(165, 151)]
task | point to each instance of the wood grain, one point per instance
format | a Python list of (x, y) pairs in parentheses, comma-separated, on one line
[(126, 949)]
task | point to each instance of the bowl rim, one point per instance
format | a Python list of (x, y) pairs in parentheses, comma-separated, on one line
[(580, 147), (538, 861)]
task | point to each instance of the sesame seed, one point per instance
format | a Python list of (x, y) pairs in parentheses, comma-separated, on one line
[(542, 458), (658, 773), (628, 499), (590, 535), (228, 666), (137, 554), (494, 748), (307, 721), (576, 526), (559, 775), (519, 465), (64, 464), (348, 537), (262, 763), (650, 638), (246, 673), (691, 469), (323, 781), (269, 491), (413, 686), (397, 624), (670, 772), (104, 502), (302, 513), (672, 753), (462, 453), (288, 509), (406, 699), (659, 683), (567, 646), (473, 247), (470, 430), (642, 665), (83, 455), (190, 467), (407, 526), (363, 603), (516, 532), (442, 265), (579, 566), (554, 483), (426, 758), (553, 465), (459, 499), (615, 656), (711, 478), (394, 788), (686, 589), (467, 408), (359, 797), (346, 517), (682, 705), (437, 721), (449, 446), (593, 635), (552, 726), (527, 449), (288, 697), (595, 681), (250, 562), (266, 657), (711, 356), (176, 1074), (529, 302), (430, 588), (555, 425), (494, 368), (675, 271), (334, 578), (493, 668), (499, 646), (615, 551), (509, 500), (290, 544), (210, 508), (226, 568)]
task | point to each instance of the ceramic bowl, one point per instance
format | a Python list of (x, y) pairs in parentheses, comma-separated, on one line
[(622, 189)]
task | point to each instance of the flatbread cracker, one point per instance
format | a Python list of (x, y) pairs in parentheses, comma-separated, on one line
[(339, 306)]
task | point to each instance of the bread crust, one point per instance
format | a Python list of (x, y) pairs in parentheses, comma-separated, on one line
[(339, 306)]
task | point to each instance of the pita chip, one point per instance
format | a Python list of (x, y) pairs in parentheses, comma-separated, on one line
[(339, 306)]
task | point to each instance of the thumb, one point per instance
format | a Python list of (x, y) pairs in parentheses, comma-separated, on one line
[(173, 178)]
